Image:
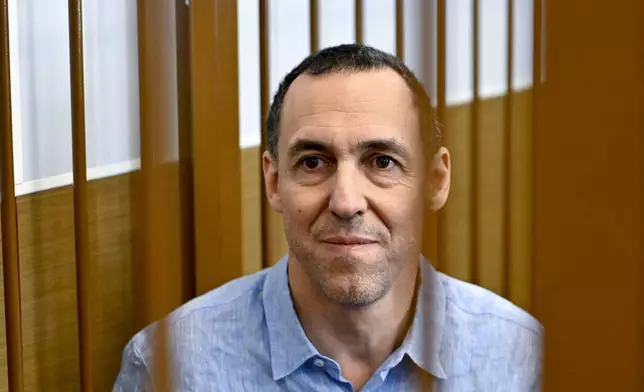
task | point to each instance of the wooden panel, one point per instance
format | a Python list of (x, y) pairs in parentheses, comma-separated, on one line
[(48, 289), (251, 209), (217, 157), (48, 281), (519, 274), (10, 266), (589, 197), (457, 219), (112, 225), (490, 203), (456, 224)]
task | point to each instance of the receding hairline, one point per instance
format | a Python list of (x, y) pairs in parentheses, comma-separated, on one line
[(353, 59), (288, 96)]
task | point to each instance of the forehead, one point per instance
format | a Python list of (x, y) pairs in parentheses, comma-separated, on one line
[(344, 108)]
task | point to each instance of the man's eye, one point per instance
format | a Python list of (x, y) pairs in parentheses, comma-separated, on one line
[(384, 162), (312, 162)]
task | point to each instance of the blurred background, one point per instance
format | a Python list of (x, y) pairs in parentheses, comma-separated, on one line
[(132, 137)]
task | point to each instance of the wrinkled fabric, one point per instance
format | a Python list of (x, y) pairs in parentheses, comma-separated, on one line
[(245, 336)]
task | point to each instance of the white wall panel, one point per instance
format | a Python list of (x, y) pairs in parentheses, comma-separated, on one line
[(248, 59), (289, 37), (111, 81), (336, 22), (379, 23)]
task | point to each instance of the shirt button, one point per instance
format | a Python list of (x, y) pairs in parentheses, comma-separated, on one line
[(318, 362)]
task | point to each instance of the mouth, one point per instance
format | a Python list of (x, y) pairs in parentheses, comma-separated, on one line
[(348, 241)]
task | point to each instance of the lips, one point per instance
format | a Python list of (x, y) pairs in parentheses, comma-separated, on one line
[(348, 240)]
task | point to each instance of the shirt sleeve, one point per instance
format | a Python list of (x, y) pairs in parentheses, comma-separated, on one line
[(134, 375)]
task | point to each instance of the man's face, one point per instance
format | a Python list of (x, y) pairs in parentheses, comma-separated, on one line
[(349, 181)]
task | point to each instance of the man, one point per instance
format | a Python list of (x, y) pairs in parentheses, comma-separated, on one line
[(353, 159)]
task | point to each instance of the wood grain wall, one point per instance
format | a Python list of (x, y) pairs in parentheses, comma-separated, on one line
[(48, 284)]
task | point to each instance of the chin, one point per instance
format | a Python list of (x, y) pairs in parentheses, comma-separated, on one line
[(354, 291), (353, 282)]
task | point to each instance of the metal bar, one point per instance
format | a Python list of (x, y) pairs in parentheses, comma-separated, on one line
[(359, 24), (10, 258), (507, 147), (441, 59), (474, 137), (314, 27), (400, 29), (81, 235)]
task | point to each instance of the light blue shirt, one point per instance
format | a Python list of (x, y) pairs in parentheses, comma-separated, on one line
[(245, 336)]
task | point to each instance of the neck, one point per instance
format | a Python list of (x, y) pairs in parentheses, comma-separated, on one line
[(358, 338)]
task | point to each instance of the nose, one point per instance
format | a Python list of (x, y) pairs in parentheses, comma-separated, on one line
[(347, 198)]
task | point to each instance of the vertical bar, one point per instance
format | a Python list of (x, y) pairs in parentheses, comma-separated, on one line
[(264, 91), (81, 236), (274, 242), (400, 29), (216, 155), (186, 177), (474, 137), (273, 239), (162, 248), (507, 146), (359, 25), (536, 83), (314, 27), (441, 92), (11, 265)]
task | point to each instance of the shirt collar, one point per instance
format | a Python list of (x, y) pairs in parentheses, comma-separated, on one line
[(290, 347), (425, 337)]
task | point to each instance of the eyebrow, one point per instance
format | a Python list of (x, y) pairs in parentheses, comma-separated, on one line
[(303, 145), (389, 145)]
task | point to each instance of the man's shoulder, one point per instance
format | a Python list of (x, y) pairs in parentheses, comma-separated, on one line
[(220, 312), (212, 339), (489, 336), (480, 305)]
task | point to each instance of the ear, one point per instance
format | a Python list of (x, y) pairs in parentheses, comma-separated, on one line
[(439, 179), (270, 167)]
